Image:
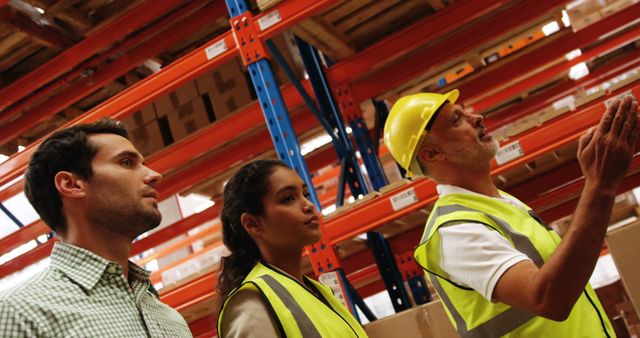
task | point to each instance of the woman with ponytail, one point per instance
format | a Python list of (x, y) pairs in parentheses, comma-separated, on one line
[(267, 220)]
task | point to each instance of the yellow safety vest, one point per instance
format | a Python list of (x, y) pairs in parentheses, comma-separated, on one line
[(296, 311), (475, 316)]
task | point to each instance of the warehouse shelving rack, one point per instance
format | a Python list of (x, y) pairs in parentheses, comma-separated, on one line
[(378, 211)]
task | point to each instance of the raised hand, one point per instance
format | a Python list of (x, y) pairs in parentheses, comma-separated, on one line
[(604, 153)]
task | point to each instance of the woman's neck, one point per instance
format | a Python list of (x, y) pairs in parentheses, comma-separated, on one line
[(288, 261)]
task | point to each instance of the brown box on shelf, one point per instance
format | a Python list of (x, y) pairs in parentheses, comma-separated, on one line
[(140, 118), (424, 321), (623, 246), (187, 119), (266, 4), (165, 105), (584, 13), (634, 331), (172, 101), (226, 88), (390, 168), (186, 93), (147, 138)]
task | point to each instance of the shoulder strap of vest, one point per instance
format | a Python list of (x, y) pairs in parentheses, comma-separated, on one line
[(246, 284), (521, 242)]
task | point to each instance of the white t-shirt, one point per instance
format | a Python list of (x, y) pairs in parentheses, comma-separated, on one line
[(473, 255)]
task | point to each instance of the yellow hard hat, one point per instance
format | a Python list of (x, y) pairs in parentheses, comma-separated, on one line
[(406, 126)]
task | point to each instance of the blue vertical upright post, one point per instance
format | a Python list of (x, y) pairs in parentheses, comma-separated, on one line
[(369, 155), (379, 246), (388, 271), (382, 111), (350, 169), (279, 123), (268, 92)]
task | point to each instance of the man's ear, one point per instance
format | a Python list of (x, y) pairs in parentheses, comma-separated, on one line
[(251, 224), (429, 154), (70, 185)]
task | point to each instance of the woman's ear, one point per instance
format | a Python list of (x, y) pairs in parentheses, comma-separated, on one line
[(251, 224), (69, 185)]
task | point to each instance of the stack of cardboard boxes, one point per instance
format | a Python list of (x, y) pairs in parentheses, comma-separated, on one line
[(586, 12), (195, 105), (209, 98), (144, 130)]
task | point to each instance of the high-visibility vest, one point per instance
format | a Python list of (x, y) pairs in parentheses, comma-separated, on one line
[(296, 311), (475, 316)]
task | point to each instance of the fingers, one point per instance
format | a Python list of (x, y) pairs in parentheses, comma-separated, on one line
[(620, 118), (607, 117), (584, 141), (630, 121), (635, 132)]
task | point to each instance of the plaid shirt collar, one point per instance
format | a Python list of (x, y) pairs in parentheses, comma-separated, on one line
[(86, 268)]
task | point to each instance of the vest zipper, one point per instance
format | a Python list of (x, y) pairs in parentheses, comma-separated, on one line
[(322, 300)]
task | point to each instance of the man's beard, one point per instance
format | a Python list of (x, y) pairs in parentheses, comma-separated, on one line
[(477, 154), (126, 220)]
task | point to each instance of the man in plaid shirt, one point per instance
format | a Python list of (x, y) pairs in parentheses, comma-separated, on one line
[(90, 185)]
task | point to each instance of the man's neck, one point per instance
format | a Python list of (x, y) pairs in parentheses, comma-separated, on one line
[(107, 246), (478, 181)]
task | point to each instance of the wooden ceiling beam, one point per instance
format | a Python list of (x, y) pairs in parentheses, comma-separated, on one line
[(44, 35), (77, 19), (436, 4), (325, 37)]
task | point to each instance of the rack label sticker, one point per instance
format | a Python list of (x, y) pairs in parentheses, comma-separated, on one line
[(607, 103), (404, 199), (509, 153), (216, 49), (269, 20), (332, 280)]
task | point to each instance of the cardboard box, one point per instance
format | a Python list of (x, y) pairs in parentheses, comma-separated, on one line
[(186, 93), (390, 168), (623, 246), (187, 119), (634, 331), (172, 101), (226, 89), (147, 138), (266, 4), (424, 321), (140, 118), (584, 13)]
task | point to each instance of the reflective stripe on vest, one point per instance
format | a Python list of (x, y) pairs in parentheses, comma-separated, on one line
[(497, 326), (302, 320), (521, 242), (297, 311)]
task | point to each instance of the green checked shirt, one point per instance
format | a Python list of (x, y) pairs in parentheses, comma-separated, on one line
[(84, 295)]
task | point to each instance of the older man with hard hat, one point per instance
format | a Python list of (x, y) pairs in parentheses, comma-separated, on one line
[(499, 270)]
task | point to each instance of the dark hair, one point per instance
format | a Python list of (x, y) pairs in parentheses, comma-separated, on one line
[(66, 150), (435, 116), (243, 193)]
